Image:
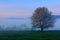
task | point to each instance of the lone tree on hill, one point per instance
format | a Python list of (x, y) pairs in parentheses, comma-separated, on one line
[(42, 18)]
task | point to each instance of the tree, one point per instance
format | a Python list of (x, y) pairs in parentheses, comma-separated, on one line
[(42, 18)]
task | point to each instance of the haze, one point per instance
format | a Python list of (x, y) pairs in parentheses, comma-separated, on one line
[(25, 8)]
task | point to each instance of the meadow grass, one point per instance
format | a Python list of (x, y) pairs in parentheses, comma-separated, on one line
[(30, 35)]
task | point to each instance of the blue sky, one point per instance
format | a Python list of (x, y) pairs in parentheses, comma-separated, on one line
[(25, 8)]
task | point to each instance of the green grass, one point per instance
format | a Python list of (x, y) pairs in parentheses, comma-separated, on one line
[(30, 35)]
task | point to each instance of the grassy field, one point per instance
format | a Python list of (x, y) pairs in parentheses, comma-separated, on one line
[(29, 35)]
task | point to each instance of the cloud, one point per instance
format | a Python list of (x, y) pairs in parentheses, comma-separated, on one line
[(55, 9), (22, 11), (7, 11)]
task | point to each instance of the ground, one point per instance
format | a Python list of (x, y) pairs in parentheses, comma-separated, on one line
[(30, 35)]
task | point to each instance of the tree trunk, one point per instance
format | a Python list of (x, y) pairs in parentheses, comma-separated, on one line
[(41, 28)]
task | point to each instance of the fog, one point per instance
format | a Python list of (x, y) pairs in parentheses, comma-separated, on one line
[(22, 24)]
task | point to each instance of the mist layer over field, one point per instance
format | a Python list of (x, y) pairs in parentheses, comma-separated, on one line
[(22, 24)]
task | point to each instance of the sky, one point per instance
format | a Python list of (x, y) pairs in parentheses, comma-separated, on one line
[(25, 8)]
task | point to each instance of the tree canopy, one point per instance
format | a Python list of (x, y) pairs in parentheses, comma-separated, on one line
[(42, 18)]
